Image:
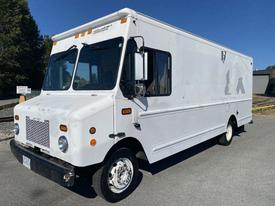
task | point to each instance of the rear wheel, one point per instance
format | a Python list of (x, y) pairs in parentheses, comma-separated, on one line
[(117, 178), (226, 138)]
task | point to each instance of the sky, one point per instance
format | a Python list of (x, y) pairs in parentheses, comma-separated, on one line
[(246, 26)]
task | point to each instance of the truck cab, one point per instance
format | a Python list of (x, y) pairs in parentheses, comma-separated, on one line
[(75, 118)]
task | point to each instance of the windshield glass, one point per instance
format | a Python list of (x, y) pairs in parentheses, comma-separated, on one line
[(98, 65), (60, 70)]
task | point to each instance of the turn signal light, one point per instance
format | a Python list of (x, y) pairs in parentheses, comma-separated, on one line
[(63, 128), (93, 142), (126, 111), (92, 130)]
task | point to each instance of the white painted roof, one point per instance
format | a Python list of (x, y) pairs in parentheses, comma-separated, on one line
[(129, 12), (96, 23)]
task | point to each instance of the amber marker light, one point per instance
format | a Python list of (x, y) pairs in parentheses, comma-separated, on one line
[(90, 31), (126, 111), (54, 43), (76, 36), (16, 117), (83, 33), (93, 142), (123, 20), (63, 128), (92, 130)]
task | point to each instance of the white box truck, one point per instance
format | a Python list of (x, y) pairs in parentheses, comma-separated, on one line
[(128, 84)]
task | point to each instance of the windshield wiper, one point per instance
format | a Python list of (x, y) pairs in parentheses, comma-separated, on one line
[(65, 53), (72, 47)]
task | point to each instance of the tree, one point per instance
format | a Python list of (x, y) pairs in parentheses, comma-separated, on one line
[(270, 67), (48, 43), (21, 48)]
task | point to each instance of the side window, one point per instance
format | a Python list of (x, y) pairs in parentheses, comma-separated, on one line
[(159, 73), (94, 74)]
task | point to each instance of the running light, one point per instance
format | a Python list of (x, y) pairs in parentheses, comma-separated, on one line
[(123, 20), (90, 31)]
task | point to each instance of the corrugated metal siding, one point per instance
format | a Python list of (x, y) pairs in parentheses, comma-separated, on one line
[(260, 83)]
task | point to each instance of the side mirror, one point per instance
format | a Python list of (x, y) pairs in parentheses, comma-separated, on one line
[(141, 68)]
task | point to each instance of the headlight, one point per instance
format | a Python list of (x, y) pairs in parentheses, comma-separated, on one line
[(16, 129), (63, 143)]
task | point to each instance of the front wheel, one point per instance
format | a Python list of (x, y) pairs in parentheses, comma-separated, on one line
[(226, 138), (117, 178)]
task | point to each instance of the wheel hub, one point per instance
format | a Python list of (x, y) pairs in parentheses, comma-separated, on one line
[(120, 175), (229, 132)]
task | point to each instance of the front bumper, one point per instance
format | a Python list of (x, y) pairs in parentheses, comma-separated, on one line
[(49, 167)]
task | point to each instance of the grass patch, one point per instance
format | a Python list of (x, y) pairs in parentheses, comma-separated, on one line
[(263, 104)]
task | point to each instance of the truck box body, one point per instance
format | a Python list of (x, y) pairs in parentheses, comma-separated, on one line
[(197, 87)]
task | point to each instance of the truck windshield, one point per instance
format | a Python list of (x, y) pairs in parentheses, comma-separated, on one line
[(98, 65), (60, 70)]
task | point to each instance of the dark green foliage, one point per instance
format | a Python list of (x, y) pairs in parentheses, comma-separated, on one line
[(270, 67), (48, 43), (21, 48)]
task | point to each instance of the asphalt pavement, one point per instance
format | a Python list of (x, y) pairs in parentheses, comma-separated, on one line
[(207, 174)]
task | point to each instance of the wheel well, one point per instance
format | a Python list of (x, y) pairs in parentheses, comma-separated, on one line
[(233, 119), (128, 142)]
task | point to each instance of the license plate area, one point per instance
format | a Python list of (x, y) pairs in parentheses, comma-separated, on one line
[(26, 162)]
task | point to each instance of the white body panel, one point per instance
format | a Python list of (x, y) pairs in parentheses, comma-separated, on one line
[(206, 92)]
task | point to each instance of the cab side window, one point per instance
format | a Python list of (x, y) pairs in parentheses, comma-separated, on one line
[(159, 73)]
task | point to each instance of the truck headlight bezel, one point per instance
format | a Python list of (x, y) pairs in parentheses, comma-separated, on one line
[(16, 128), (63, 143)]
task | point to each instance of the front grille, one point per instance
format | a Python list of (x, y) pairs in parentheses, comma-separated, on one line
[(38, 132)]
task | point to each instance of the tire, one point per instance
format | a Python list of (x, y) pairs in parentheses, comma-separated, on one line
[(241, 128), (226, 138), (122, 164)]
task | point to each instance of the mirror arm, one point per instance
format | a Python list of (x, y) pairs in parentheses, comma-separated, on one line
[(143, 42)]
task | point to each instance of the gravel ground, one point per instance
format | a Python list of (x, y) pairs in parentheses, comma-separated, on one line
[(266, 112), (6, 127), (6, 112), (259, 101), (6, 130)]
